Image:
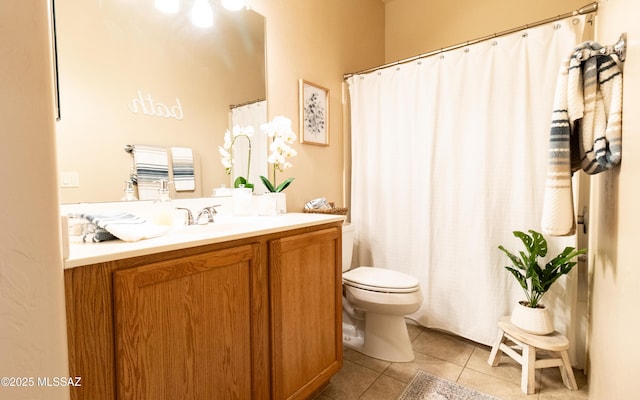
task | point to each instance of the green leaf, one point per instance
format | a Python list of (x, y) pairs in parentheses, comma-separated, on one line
[(242, 182), (239, 181), (539, 244), (519, 277), (267, 183), (567, 254), (284, 185), (514, 259), (526, 240)]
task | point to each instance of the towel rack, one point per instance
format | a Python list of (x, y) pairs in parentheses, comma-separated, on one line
[(619, 48)]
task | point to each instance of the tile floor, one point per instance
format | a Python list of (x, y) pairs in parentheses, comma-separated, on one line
[(450, 357)]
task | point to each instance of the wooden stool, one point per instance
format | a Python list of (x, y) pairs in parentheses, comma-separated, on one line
[(553, 343)]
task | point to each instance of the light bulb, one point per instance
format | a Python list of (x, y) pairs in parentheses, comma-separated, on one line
[(168, 6), (202, 14), (233, 5)]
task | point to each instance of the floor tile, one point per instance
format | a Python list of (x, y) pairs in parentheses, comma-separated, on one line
[(450, 357), (508, 369), (443, 346), (552, 387), (406, 371), (494, 386), (366, 361), (350, 382), (414, 330), (384, 388)]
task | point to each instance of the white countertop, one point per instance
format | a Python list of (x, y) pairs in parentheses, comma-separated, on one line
[(224, 229)]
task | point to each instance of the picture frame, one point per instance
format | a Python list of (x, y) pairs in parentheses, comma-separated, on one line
[(314, 113)]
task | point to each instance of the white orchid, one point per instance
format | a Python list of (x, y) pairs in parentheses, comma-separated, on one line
[(226, 151), (226, 159), (282, 136)]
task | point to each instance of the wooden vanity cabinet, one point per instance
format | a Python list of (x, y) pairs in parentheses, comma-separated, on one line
[(183, 328), (306, 312), (256, 318)]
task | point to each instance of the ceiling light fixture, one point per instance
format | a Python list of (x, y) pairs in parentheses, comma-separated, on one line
[(202, 14), (233, 5), (168, 6)]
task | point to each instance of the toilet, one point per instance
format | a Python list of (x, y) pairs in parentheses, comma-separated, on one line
[(374, 304)]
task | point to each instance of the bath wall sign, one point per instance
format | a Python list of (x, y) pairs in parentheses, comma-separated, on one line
[(146, 105)]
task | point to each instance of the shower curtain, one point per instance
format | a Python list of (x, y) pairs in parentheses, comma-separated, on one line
[(449, 157), (253, 114)]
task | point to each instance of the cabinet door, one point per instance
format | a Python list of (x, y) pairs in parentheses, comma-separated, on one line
[(183, 328), (306, 300)]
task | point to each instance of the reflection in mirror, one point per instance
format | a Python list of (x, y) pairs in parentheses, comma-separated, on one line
[(131, 74)]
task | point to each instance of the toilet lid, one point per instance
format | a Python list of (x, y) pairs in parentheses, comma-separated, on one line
[(380, 280)]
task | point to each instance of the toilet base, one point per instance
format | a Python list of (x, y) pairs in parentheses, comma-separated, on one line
[(352, 338), (385, 337)]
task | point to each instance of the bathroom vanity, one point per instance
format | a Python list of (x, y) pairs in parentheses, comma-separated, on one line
[(243, 309)]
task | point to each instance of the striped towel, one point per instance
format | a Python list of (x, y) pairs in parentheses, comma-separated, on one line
[(152, 165), (124, 226), (586, 130), (602, 121), (94, 234), (183, 173)]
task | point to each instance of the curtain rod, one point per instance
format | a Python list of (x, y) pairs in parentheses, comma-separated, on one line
[(588, 9), (231, 107)]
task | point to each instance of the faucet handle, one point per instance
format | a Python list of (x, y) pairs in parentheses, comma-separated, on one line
[(212, 209), (189, 215)]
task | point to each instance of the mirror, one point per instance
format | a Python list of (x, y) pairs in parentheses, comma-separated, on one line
[(131, 74)]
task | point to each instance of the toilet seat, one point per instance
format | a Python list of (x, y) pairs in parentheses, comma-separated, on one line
[(380, 280)]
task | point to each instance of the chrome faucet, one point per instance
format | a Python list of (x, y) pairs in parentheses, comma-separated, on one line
[(189, 216), (206, 215)]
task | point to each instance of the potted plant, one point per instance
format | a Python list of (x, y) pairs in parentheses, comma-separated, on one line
[(530, 315)]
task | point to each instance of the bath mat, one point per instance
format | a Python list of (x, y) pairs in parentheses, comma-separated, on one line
[(425, 386)]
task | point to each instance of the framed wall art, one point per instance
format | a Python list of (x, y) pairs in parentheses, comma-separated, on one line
[(314, 114)]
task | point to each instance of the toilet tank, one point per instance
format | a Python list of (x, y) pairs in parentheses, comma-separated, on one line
[(347, 246)]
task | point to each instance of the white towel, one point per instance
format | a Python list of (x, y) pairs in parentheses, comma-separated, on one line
[(152, 165), (183, 172), (125, 226), (586, 130)]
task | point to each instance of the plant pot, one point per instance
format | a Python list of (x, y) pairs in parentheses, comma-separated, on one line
[(281, 202), (532, 320)]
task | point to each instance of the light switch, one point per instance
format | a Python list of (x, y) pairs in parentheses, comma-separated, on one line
[(69, 179)]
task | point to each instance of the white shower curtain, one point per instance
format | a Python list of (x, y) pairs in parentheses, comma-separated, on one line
[(254, 114), (449, 157)]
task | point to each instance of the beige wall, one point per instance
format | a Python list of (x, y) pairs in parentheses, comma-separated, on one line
[(318, 40), (32, 321), (419, 26), (614, 241)]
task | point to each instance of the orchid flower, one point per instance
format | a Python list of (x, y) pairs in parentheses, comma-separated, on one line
[(282, 137)]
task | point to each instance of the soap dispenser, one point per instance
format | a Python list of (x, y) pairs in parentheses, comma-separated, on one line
[(163, 207), (129, 192)]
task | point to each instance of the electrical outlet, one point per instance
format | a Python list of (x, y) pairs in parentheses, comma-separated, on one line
[(69, 179)]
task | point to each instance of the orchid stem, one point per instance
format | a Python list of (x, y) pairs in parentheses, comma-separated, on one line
[(249, 153), (275, 183)]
